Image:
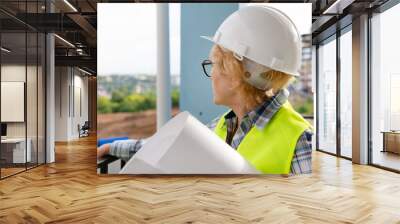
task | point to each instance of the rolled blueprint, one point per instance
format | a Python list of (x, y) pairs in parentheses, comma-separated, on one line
[(186, 146)]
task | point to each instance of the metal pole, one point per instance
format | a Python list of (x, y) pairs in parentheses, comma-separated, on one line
[(360, 90), (50, 93), (163, 66)]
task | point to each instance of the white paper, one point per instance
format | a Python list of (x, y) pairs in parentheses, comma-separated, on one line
[(185, 146)]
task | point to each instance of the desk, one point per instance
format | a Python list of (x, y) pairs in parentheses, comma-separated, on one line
[(391, 141), (13, 150)]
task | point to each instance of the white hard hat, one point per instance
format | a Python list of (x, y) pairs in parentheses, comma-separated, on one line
[(263, 35)]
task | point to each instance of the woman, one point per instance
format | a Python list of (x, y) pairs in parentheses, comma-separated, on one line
[(256, 54)]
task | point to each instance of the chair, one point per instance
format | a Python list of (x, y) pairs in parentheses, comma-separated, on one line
[(84, 130)]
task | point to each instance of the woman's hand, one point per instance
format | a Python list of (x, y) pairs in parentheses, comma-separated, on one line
[(103, 150)]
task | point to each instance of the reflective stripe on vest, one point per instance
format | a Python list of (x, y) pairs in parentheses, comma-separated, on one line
[(271, 149)]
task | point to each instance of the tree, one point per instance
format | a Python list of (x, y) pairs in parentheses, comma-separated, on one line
[(118, 95), (133, 103), (175, 97), (104, 105)]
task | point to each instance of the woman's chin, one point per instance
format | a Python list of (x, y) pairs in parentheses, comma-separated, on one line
[(216, 101)]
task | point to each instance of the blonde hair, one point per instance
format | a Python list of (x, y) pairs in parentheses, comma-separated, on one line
[(276, 80)]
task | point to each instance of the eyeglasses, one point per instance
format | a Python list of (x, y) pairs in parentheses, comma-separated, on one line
[(207, 65)]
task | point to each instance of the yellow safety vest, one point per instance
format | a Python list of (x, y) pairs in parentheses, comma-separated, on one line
[(271, 149)]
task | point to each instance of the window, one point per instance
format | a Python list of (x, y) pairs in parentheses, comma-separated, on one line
[(385, 89), (22, 87), (327, 96), (346, 93)]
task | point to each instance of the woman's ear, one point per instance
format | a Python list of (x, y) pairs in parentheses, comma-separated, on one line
[(234, 82)]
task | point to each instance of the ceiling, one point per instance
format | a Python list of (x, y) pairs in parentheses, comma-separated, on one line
[(332, 15), (76, 22), (73, 21)]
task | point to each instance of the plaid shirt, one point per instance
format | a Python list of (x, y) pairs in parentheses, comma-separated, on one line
[(260, 116)]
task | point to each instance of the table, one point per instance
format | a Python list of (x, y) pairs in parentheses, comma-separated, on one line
[(391, 141), (13, 150)]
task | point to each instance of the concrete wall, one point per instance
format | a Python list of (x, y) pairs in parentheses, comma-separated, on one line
[(196, 20)]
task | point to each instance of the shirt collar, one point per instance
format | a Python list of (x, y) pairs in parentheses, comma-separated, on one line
[(263, 113)]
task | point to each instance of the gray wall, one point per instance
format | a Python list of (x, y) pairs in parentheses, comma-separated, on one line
[(196, 20)]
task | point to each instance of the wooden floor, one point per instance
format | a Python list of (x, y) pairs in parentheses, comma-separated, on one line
[(10, 171), (70, 191), (387, 159)]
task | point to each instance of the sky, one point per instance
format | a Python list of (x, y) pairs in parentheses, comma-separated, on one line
[(127, 41), (126, 35)]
